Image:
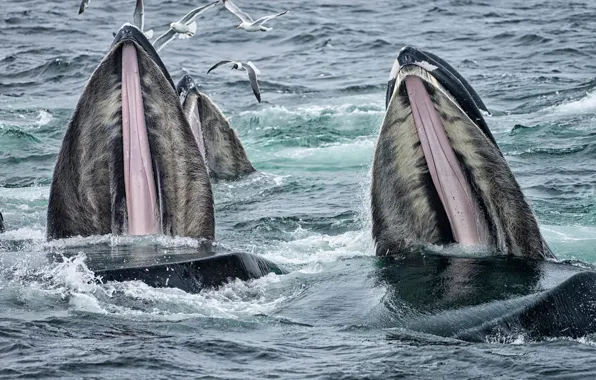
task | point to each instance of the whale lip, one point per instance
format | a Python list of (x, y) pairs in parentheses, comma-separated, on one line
[(449, 78), (130, 33), (447, 175)]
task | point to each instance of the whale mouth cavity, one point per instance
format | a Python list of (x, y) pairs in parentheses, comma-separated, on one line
[(461, 206), (139, 181)]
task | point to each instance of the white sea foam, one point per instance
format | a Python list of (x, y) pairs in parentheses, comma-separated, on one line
[(587, 340), (318, 110), (256, 181), (571, 242), (85, 302), (570, 233), (71, 280), (137, 300), (585, 105), (73, 274), (118, 240), (312, 248), (27, 194), (44, 118), (36, 234), (336, 151)]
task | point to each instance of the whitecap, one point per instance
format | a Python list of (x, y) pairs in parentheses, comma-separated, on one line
[(44, 118), (585, 105)]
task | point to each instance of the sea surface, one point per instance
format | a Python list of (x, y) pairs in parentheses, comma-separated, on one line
[(324, 69)]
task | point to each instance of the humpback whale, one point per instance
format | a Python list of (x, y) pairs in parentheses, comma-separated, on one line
[(219, 144), (128, 162), (438, 175)]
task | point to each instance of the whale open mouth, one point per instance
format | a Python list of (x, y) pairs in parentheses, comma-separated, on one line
[(457, 198), (438, 176), (139, 180), (188, 92)]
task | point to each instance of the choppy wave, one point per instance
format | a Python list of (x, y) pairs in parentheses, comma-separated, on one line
[(587, 104)]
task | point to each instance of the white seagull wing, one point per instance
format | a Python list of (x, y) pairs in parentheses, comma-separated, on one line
[(252, 76), (162, 40), (264, 19), (217, 65), (139, 15), (190, 16), (249, 63), (236, 11)]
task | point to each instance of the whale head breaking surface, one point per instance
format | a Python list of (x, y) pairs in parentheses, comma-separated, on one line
[(128, 163), (438, 174), (220, 146)]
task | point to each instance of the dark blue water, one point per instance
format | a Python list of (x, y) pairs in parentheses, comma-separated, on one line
[(324, 69)]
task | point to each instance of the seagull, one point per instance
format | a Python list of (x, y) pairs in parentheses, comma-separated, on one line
[(139, 19), (84, 5), (139, 16), (247, 22), (250, 69), (184, 28)]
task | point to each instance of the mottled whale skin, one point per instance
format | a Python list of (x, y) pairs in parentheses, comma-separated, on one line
[(438, 175), (220, 146), (88, 193)]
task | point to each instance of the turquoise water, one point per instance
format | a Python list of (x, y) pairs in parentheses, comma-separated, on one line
[(324, 69)]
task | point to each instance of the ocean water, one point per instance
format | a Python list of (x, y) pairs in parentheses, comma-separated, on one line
[(324, 69)]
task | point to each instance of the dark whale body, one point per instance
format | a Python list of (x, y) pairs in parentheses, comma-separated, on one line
[(489, 298), (220, 146), (188, 269)]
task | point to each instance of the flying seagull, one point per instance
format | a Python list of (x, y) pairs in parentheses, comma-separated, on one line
[(138, 16), (84, 5), (250, 69), (247, 22), (184, 28), (139, 19)]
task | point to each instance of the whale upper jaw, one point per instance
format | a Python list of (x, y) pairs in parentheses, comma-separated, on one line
[(438, 174), (453, 83), (130, 33)]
